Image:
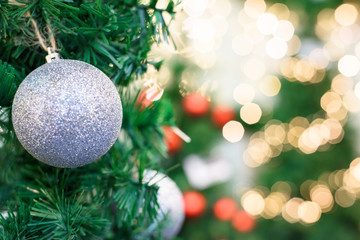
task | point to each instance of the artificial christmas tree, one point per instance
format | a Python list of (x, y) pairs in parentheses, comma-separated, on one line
[(69, 115)]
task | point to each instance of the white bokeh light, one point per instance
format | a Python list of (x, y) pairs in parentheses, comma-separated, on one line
[(276, 48), (267, 23), (349, 65), (284, 30)]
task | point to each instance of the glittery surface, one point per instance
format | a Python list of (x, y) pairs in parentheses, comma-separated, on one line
[(67, 113), (170, 200)]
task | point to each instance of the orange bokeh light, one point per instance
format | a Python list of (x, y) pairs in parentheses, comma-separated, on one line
[(243, 222), (195, 204), (225, 208)]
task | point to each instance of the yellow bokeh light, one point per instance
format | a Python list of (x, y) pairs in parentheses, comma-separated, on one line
[(294, 45), (326, 19), (284, 30), (335, 52), (250, 113), (281, 11), (322, 196), (257, 153), (346, 14), (345, 197), (282, 187), (275, 133), (290, 210), (244, 93), (254, 8), (341, 84), (273, 205), (270, 86), (233, 131), (267, 23), (351, 102), (253, 202), (331, 102), (355, 168), (309, 212)]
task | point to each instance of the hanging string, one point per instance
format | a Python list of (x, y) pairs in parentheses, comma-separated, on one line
[(42, 42)]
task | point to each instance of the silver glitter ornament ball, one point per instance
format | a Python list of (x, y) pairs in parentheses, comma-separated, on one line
[(171, 204), (67, 113)]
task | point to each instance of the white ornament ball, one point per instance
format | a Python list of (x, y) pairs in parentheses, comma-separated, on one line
[(67, 113), (171, 203)]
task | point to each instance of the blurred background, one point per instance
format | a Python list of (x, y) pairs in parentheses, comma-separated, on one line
[(269, 94)]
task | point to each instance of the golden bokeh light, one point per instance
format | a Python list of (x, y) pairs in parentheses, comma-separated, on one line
[(275, 133), (341, 84), (355, 168), (331, 102), (345, 197), (284, 30), (322, 195), (253, 202), (290, 210), (233, 131), (270, 86), (244, 93), (351, 102), (281, 11), (273, 205), (257, 153), (346, 14), (326, 19), (254, 8), (294, 45), (335, 128), (309, 212), (250, 113)]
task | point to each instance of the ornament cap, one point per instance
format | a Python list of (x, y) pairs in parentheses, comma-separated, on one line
[(52, 56)]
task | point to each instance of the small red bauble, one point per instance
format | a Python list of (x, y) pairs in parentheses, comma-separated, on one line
[(172, 141), (195, 204), (147, 96), (221, 115), (195, 104), (243, 222), (225, 208)]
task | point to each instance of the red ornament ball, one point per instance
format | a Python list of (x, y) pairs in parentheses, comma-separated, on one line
[(243, 222), (172, 141), (147, 96), (222, 114), (195, 204), (225, 208), (195, 104)]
